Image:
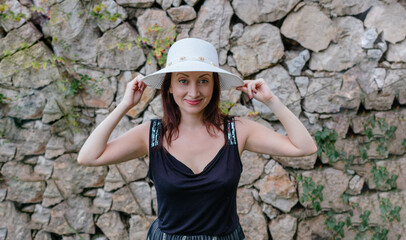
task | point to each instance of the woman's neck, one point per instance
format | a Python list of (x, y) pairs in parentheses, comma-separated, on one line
[(191, 122)]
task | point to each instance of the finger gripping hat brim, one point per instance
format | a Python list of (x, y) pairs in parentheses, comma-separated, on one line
[(193, 55)]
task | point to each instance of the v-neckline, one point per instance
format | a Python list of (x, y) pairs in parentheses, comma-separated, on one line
[(189, 169)]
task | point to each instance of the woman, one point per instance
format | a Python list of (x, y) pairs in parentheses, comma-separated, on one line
[(194, 150)]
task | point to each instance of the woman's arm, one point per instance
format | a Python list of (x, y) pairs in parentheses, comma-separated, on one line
[(96, 151), (258, 138)]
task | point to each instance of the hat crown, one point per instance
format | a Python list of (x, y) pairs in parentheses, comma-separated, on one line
[(192, 49)]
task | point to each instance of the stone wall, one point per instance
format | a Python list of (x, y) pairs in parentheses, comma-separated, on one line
[(338, 65)]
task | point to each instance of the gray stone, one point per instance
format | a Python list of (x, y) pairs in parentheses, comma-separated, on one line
[(176, 3), (389, 19), (335, 183), (245, 200), (136, 3), (26, 35), (347, 51), (156, 106), (283, 227), (348, 7), (81, 48), (191, 2), (55, 147), (71, 178), (110, 56), (369, 37), (281, 84), (238, 30), (64, 24), (52, 195), (259, 47), (306, 162), (20, 66), (230, 96), (302, 84), (123, 200), (310, 27), (270, 212), (132, 170), (212, 23), (22, 184), (52, 111), (100, 90), (395, 82), (318, 98), (296, 64), (42, 235), (372, 203), (112, 226), (165, 4), (117, 14), (74, 212), (374, 54), (309, 228), (262, 11), (397, 52), (12, 22), (254, 224), (182, 14), (253, 167), (381, 100), (29, 104), (13, 222), (139, 226), (355, 185), (276, 188), (151, 17), (378, 75), (146, 98), (80, 236), (41, 216), (44, 167), (7, 150), (102, 202)]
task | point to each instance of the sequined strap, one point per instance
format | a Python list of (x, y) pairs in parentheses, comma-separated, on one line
[(231, 134), (154, 132)]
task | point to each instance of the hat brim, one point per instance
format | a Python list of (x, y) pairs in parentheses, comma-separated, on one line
[(227, 79)]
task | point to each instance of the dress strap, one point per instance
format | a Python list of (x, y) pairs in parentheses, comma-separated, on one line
[(231, 134), (154, 132)]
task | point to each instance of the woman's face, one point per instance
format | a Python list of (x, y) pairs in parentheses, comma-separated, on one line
[(192, 91)]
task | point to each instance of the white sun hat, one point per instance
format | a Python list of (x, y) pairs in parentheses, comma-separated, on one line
[(193, 55)]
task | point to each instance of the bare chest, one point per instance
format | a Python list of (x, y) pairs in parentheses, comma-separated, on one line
[(196, 152)]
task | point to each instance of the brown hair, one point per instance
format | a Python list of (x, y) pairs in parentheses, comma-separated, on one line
[(213, 118)]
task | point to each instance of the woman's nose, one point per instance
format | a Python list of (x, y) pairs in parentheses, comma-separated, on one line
[(194, 90)]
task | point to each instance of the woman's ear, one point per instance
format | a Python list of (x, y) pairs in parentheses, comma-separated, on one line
[(170, 90)]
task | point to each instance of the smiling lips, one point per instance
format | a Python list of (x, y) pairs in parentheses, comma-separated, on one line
[(193, 102)]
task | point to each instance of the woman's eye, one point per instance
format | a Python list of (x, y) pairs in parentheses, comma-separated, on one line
[(204, 81), (183, 81)]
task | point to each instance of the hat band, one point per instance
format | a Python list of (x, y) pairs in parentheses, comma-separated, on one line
[(190, 58)]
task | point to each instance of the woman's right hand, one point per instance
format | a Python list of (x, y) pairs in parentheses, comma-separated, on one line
[(133, 92)]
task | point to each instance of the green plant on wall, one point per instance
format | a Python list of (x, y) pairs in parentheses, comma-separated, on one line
[(388, 211), (164, 40), (382, 139), (6, 13), (225, 106), (311, 192), (382, 177), (100, 12), (337, 227), (325, 140)]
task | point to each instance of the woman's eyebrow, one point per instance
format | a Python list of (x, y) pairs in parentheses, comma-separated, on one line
[(188, 75)]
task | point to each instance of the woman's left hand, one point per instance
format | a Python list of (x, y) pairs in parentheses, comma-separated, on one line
[(257, 89)]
